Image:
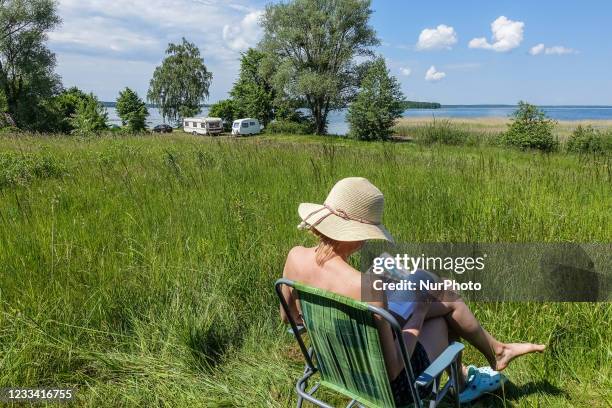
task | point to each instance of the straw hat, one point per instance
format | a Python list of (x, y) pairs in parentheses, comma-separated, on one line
[(352, 212)]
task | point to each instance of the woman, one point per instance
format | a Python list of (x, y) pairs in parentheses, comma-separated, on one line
[(351, 215)]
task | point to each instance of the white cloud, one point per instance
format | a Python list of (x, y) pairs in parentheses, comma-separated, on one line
[(434, 75), (537, 49), (441, 37), (559, 50), (554, 50), (506, 35), (405, 71), (245, 34)]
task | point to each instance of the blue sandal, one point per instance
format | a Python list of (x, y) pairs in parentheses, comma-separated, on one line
[(479, 382)]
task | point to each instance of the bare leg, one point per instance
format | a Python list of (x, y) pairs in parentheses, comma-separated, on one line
[(412, 329), (435, 337), (461, 320)]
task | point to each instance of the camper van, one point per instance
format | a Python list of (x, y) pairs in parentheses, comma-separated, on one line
[(203, 126), (246, 126)]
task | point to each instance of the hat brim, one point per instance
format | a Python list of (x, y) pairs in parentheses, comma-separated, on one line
[(338, 228)]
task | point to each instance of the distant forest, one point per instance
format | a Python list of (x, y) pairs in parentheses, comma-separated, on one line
[(421, 105)]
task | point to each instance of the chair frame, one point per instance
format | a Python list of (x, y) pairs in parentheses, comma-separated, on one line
[(430, 377)]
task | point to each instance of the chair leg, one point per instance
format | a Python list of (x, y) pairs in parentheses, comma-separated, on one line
[(455, 380)]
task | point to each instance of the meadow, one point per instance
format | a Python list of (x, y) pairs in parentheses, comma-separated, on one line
[(485, 130), (140, 269)]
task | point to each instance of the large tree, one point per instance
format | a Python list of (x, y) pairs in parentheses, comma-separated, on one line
[(180, 84), (253, 94), (314, 45), (27, 77), (378, 104)]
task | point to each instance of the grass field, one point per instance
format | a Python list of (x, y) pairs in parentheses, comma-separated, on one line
[(140, 269)]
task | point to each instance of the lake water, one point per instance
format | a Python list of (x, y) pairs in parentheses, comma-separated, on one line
[(337, 122)]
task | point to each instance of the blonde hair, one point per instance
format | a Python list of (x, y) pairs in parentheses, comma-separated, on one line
[(326, 248)]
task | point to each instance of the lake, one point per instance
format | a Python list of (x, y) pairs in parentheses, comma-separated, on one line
[(337, 123)]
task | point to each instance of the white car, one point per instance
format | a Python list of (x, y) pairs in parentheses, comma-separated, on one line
[(246, 126), (203, 126)]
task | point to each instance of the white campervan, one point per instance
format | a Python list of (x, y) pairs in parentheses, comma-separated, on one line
[(203, 126), (246, 126)]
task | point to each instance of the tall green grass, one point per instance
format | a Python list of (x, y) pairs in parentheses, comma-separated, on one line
[(142, 272)]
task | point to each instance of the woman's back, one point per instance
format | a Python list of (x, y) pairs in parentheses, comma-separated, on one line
[(337, 276)]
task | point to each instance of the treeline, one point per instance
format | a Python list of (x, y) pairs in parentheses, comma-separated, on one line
[(33, 98), (291, 81), (420, 105)]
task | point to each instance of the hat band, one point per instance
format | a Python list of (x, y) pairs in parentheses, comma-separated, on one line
[(336, 211)]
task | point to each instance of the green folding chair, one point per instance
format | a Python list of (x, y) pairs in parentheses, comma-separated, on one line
[(346, 351)]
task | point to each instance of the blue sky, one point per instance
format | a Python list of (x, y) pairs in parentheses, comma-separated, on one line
[(467, 52)]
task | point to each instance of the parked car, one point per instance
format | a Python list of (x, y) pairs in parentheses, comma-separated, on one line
[(203, 126), (246, 126), (163, 128)]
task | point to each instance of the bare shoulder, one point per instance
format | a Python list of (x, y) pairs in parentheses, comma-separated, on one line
[(294, 258), (296, 251)]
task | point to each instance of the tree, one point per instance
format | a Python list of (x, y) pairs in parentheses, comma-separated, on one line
[(530, 128), (253, 93), (226, 110), (313, 44), (379, 103), (180, 84), (64, 107), (132, 110), (90, 116), (27, 77)]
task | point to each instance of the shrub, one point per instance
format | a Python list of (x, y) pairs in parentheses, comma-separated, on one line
[(226, 110), (132, 110), (90, 116), (290, 127), (65, 106), (443, 132), (19, 169), (586, 139), (379, 103), (530, 129)]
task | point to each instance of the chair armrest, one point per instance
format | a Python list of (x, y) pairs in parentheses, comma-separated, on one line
[(301, 329), (440, 364)]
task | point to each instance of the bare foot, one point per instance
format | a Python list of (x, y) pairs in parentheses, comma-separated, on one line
[(508, 352)]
